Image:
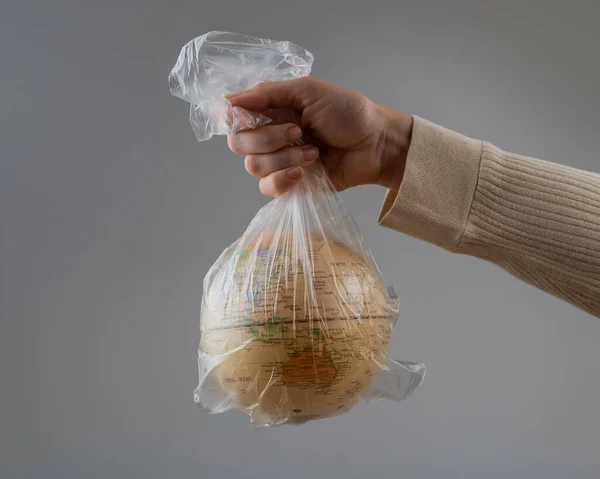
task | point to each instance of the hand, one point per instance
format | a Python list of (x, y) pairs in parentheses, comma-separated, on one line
[(358, 141)]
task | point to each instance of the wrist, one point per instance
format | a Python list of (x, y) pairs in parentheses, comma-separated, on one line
[(393, 145)]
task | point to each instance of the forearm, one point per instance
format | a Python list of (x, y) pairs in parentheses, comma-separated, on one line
[(537, 220)]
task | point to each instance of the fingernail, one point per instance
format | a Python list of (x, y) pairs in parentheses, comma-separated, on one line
[(233, 95), (310, 154), (293, 133), (294, 173)]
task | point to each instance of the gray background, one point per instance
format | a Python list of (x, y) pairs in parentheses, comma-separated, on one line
[(111, 213)]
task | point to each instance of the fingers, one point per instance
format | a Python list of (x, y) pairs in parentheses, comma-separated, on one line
[(265, 139), (281, 181), (296, 94), (264, 165)]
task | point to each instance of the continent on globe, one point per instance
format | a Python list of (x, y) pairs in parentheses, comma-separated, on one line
[(306, 369)]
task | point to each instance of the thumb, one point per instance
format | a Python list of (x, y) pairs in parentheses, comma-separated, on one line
[(296, 94)]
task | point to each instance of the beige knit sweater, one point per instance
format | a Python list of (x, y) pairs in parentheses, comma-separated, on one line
[(537, 220)]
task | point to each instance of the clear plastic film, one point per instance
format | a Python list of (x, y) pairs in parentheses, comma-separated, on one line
[(296, 319)]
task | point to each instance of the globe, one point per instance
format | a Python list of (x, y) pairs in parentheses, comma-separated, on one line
[(293, 332)]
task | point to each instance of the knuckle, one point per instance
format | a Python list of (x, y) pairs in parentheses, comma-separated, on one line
[(264, 188), (277, 190), (279, 183), (297, 156), (234, 143), (265, 143), (307, 91), (269, 141), (289, 157), (261, 87), (281, 133), (310, 84), (308, 81), (286, 129), (252, 164), (280, 160), (277, 139)]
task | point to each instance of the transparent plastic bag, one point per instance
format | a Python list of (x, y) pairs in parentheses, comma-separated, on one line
[(296, 318)]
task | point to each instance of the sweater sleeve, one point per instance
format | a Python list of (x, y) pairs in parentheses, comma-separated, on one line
[(539, 221)]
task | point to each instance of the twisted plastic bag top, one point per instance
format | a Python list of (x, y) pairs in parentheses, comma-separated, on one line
[(217, 63), (296, 318)]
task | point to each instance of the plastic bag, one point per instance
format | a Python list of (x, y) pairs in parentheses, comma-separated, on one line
[(296, 318)]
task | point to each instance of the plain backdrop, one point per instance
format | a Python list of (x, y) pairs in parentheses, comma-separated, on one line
[(111, 213)]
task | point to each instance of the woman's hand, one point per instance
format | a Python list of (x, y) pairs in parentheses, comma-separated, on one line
[(358, 141)]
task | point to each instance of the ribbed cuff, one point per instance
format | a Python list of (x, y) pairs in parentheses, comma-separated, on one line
[(440, 178)]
